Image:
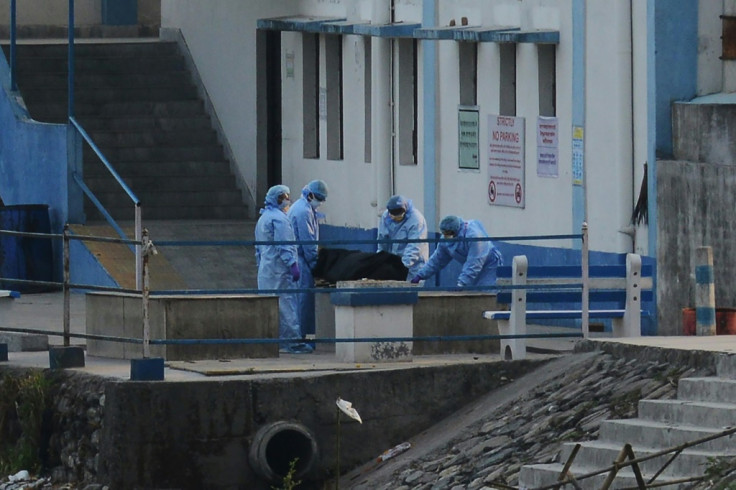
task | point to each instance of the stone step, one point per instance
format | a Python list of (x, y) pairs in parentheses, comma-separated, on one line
[(726, 367), (178, 212), (86, 81), (144, 122), (703, 414), (167, 183), (158, 153), (152, 47), (118, 65), (186, 108), (707, 389), (638, 432), (153, 137), (104, 95), (148, 169), (539, 475), (601, 454), (163, 198)]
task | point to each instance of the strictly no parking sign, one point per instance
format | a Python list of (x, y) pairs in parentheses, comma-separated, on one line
[(506, 161)]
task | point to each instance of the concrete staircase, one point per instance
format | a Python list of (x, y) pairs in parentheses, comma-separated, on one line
[(704, 407), (137, 101)]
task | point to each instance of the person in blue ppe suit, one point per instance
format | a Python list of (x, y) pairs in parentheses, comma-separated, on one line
[(304, 219), (402, 221), (278, 266), (479, 258)]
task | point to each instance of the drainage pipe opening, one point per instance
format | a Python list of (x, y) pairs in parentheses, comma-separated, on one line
[(276, 445)]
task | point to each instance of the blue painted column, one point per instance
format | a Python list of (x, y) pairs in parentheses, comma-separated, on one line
[(579, 214), (429, 101)]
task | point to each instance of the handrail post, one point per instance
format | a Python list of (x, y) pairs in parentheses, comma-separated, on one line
[(138, 251), (70, 87), (584, 262), (13, 35), (145, 297), (67, 277)]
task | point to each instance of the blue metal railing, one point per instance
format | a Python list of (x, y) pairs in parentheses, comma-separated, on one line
[(78, 179)]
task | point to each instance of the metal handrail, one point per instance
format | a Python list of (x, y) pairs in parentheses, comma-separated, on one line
[(136, 202)]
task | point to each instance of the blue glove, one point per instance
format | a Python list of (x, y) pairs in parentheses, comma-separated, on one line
[(416, 279), (294, 270)]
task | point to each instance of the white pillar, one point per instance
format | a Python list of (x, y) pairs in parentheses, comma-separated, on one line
[(381, 102)]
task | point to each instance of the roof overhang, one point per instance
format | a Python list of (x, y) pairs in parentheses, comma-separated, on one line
[(393, 30), (296, 23)]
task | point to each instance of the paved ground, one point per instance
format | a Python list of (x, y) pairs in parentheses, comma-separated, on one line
[(44, 311)]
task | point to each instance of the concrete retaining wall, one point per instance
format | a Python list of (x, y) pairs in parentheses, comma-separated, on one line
[(197, 434), (183, 317), (695, 203)]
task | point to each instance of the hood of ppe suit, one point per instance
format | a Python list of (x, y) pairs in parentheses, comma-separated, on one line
[(272, 196), (451, 223), (318, 188)]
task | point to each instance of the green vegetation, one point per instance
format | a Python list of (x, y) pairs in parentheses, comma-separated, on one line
[(289, 482), (625, 405), (23, 400)]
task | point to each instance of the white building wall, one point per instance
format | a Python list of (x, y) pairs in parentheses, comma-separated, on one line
[(225, 58)]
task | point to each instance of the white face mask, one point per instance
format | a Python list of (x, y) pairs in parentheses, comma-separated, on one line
[(315, 204)]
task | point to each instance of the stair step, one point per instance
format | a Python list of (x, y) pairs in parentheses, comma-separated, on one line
[(86, 81), (601, 454), (158, 153), (61, 50), (540, 475), (153, 137), (702, 414), (148, 169), (107, 65), (167, 183), (106, 95), (638, 432), (174, 198), (125, 122), (707, 389), (180, 212), (133, 108)]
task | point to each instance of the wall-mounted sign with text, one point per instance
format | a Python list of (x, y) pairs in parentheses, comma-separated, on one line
[(506, 161), (468, 129), (547, 146)]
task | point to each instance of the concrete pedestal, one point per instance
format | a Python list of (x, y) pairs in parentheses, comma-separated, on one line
[(324, 318), (373, 314)]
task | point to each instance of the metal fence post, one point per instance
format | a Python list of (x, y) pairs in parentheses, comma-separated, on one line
[(585, 302), (145, 297), (66, 286)]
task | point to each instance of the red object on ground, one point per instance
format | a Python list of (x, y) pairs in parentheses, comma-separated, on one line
[(725, 321)]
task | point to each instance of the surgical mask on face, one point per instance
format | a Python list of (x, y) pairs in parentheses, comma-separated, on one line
[(397, 214), (315, 204), (285, 205)]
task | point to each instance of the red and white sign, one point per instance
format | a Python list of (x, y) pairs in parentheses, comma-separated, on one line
[(506, 161)]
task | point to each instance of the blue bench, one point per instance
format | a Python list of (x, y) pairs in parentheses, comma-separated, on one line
[(612, 292)]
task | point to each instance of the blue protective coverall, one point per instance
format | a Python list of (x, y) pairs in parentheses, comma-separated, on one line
[(479, 258), (305, 223), (274, 262), (413, 226)]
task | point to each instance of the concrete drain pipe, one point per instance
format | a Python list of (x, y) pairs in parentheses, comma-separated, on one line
[(276, 445)]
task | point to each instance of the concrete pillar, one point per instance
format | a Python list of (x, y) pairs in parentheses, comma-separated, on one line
[(381, 105), (705, 292), (374, 314)]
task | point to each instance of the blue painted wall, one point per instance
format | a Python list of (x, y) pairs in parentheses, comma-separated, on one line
[(33, 162), (535, 254), (676, 62)]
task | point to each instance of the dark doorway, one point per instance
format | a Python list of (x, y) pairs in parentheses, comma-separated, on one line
[(269, 111)]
